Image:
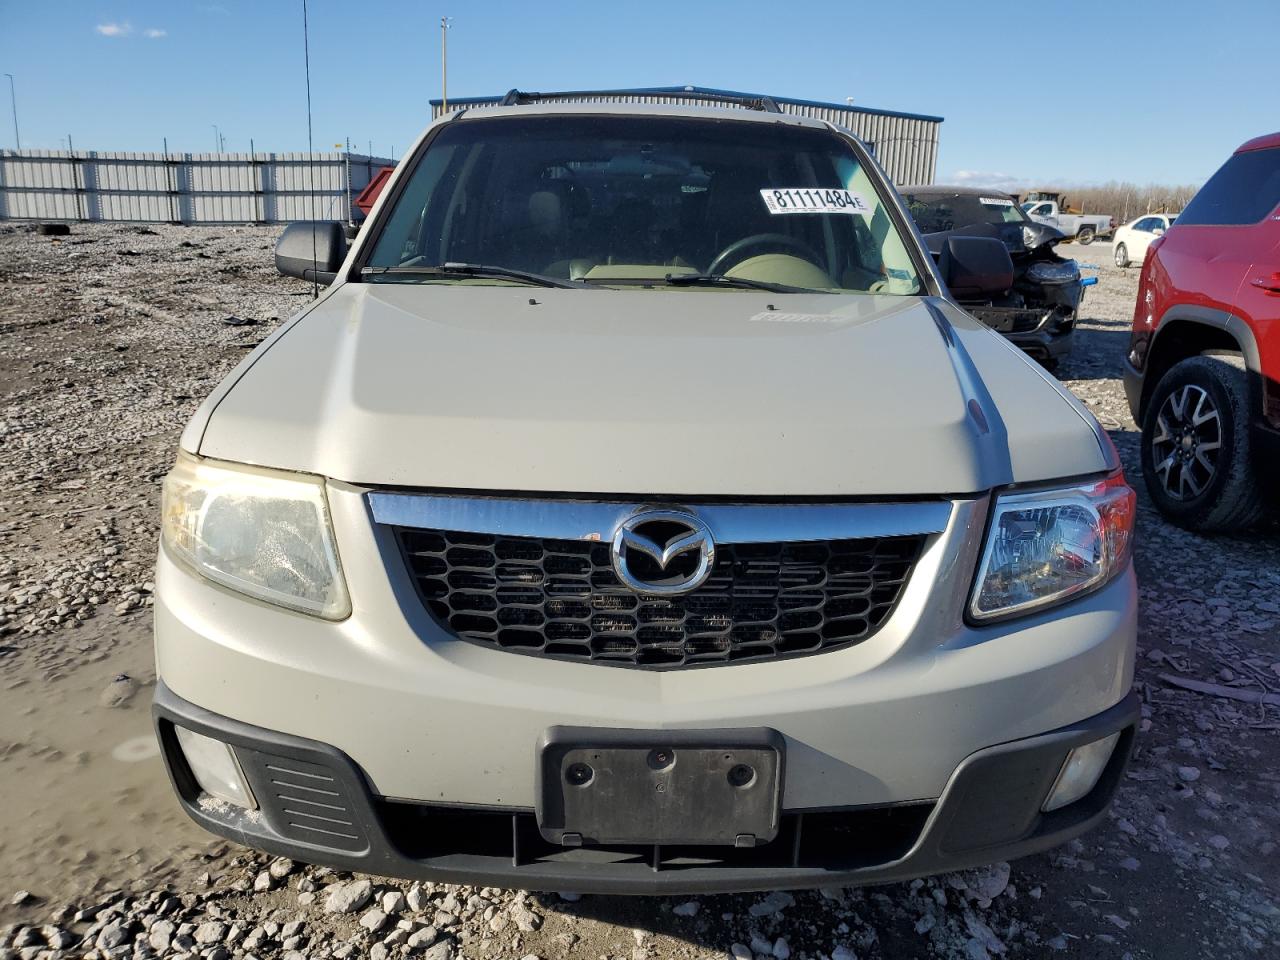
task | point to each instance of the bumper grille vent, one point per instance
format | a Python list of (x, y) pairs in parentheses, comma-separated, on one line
[(562, 599)]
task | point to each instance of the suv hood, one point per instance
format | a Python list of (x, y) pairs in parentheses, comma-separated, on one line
[(646, 392)]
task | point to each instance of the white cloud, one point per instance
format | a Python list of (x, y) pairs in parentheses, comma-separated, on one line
[(987, 178), (154, 33), (114, 29)]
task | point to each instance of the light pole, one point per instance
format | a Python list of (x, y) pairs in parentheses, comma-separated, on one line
[(444, 63), (217, 138), (13, 102)]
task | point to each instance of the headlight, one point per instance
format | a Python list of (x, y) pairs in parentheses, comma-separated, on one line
[(1053, 544), (262, 532)]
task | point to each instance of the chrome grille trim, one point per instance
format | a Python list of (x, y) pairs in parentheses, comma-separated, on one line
[(597, 520)]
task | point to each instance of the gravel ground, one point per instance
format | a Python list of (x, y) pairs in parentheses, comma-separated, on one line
[(109, 338)]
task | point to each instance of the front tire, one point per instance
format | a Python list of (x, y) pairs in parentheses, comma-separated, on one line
[(1197, 459), (1085, 236), (1122, 256)]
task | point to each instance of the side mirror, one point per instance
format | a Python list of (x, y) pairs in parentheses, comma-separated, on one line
[(974, 268), (311, 250), (1158, 231)]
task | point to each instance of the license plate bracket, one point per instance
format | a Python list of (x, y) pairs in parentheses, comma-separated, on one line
[(695, 787)]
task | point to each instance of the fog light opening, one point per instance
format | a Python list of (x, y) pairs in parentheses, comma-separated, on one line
[(1080, 772), (215, 768)]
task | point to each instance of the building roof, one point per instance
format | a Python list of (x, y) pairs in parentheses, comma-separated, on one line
[(713, 91)]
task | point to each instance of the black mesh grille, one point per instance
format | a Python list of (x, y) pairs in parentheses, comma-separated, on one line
[(561, 598)]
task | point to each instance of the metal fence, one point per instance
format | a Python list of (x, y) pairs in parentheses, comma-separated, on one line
[(906, 144), (60, 185)]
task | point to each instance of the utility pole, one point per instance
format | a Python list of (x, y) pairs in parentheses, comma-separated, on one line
[(217, 138), (444, 63), (13, 102)]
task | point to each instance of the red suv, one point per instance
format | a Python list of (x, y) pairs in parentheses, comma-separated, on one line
[(1203, 371)]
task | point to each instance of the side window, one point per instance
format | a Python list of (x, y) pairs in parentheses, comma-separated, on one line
[(1244, 190), (1041, 210), (1147, 224)]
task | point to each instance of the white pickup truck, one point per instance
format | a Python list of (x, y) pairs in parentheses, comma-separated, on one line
[(1079, 226)]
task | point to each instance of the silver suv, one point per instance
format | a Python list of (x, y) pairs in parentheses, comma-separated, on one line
[(637, 512)]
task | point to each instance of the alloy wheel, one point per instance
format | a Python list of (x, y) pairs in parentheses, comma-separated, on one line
[(1188, 442)]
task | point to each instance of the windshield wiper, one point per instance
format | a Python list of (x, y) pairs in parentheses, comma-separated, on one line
[(721, 280), (452, 269)]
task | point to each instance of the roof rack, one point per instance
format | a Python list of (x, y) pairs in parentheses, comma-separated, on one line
[(519, 97)]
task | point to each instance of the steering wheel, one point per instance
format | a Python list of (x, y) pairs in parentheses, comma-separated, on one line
[(733, 252)]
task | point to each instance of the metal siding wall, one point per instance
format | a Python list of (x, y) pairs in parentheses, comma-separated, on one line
[(905, 146), (191, 188)]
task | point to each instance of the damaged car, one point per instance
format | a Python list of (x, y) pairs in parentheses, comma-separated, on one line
[(1038, 313)]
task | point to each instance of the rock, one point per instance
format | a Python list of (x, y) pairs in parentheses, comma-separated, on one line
[(843, 953), (1219, 842), (983, 935), (159, 935), (781, 949), (392, 903), (263, 882), (57, 938), (211, 931), (374, 920), (775, 902), (112, 935), (26, 937), (568, 896), (526, 920), (1188, 774), (740, 951), (349, 897), (443, 950), (423, 937), (280, 868), (689, 908), (985, 883), (379, 951), (21, 897), (416, 899), (1129, 863)]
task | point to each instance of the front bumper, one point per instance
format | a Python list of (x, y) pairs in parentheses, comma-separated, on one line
[(989, 810), (1043, 332)]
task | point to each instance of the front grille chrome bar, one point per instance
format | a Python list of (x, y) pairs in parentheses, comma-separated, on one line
[(597, 520)]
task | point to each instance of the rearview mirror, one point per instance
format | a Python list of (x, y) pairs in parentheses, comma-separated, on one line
[(311, 250), (974, 268)]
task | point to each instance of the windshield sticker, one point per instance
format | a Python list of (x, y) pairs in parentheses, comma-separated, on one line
[(995, 202), (811, 200)]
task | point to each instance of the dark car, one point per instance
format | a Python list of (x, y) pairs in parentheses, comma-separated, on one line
[(1039, 312)]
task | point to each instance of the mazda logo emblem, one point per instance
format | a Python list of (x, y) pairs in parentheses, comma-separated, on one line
[(663, 552)]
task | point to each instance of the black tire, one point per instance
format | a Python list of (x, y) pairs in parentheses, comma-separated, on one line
[(1187, 483), (1122, 256), (53, 229), (1084, 236)]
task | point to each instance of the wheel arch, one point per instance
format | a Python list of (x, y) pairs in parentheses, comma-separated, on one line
[(1189, 331)]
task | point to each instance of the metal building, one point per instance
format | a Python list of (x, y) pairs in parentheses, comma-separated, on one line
[(906, 144), (182, 187)]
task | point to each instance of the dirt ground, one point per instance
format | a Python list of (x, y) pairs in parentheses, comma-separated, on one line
[(110, 337)]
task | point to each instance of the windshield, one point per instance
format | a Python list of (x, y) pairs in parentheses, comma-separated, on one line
[(937, 212), (634, 200)]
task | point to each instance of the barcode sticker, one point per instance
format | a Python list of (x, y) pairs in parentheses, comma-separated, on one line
[(995, 202), (814, 200)]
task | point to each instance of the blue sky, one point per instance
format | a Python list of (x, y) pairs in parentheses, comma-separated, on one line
[(1031, 91)]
